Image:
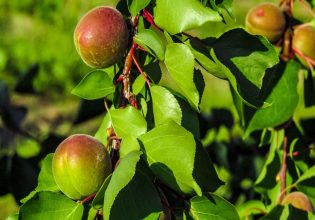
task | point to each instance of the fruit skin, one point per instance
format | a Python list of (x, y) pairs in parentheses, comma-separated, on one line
[(304, 41), (80, 165), (266, 19), (101, 37)]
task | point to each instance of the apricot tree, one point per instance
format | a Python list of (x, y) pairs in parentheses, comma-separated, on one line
[(152, 58)]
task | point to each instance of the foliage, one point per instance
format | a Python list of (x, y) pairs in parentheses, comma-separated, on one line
[(171, 158)]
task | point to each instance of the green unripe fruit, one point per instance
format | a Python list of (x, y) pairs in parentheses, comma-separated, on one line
[(304, 41), (266, 19), (101, 37), (80, 165)]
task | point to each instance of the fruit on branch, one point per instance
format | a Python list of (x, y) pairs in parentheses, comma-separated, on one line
[(80, 165), (299, 200), (304, 41), (101, 37), (266, 19)]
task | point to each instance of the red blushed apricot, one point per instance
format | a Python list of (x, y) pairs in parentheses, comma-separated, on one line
[(101, 37), (266, 19), (80, 165)]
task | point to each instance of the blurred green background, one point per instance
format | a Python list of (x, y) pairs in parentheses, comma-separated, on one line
[(39, 67)]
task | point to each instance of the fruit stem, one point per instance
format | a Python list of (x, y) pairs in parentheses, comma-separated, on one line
[(283, 171), (287, 6), (141, 71), (310, 62), (87, 199), (286, 54), (149, 18)]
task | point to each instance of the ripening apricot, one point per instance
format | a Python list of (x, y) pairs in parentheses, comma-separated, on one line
[(304, 41), (80, 165), (101, 37), (266, 19)]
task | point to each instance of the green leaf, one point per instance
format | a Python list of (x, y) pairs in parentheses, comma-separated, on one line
[(224, 5), (135, 6), (127, 145), (50, 205), (46, 181), (98, 200), (181, 15), (310, 173), (201, 52), (91, 215), (212, 207), (178, 160), (96, 84), (306, 182), (13, 217), (131, 193), (28, 148), (283, 99), (101, 132), (165, 106), (138, 85), (251, 207), (152, 42), (179, 61), (244, 59), (267, 177), (128, 122), (275, 213)]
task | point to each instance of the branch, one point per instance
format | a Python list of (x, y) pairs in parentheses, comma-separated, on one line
[(283, 171), (286, 54), (126, 77)]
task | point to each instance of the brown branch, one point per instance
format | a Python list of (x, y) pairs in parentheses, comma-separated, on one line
[(126, 77), (286, 54), (283, 171), (165, 204)]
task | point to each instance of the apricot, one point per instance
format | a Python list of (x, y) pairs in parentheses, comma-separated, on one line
[(304, 41), (266, 19), (101, 37), (80, 165)]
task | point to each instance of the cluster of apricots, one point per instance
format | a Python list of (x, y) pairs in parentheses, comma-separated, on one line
[(81, 163), (269, 20)]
